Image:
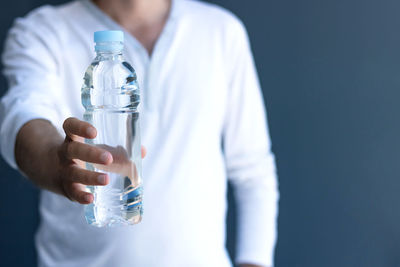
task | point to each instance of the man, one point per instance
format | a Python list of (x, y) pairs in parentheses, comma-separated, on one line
[(202, 120)]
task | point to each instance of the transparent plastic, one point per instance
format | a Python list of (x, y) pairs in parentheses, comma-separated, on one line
[(110, 96)]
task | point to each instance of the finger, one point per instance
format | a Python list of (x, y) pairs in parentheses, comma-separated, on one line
[(88, 153), (80, 163), (144, 152), (76, 192), (73, 126), (86, 177)]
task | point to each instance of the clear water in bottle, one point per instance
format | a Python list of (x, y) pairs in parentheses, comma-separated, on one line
[(110, 96)]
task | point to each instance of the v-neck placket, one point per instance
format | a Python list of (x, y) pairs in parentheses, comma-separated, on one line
[(151, 62)]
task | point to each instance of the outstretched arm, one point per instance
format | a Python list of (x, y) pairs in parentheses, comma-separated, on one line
[(57, 164), (54, 163)]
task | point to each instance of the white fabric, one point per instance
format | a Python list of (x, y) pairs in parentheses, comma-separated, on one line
[(202, 119)]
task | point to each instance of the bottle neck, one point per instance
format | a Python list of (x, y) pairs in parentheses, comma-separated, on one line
[(109, 50), (105, 55), (109, 55)]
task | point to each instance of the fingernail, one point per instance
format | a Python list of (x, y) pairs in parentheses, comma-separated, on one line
[(101, 179), (90, 131), (105, 157), (87, 198)]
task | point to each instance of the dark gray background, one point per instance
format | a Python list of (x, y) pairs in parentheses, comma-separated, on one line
[(330, 75)]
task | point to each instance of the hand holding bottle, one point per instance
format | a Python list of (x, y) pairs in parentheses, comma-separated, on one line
[(73, 153)]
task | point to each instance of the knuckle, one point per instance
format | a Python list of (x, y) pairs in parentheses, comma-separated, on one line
[(85, 177), (67, 191), (76, 192), (69, 149), (68, 174), (92, 179), (62, 174), (62, 151), (92, 153), (67, 124)]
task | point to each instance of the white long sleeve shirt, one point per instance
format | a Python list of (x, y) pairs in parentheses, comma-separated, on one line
[(203, 122)]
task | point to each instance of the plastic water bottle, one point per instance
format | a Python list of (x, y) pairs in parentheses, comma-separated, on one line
[(110, 96)]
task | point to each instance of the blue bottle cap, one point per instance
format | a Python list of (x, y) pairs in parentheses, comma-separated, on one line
[(108, 36)]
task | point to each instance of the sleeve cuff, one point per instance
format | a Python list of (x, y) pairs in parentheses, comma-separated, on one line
[(254, 258), (11, 125)]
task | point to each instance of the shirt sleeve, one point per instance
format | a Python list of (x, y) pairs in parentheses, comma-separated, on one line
[(31, 69), (249, 160)]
